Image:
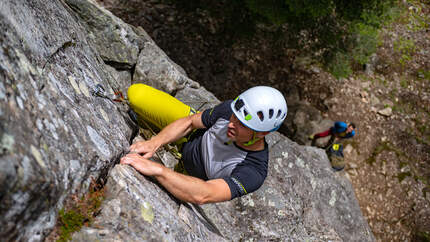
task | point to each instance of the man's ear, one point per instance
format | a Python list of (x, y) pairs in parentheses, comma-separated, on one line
[(262, 134)]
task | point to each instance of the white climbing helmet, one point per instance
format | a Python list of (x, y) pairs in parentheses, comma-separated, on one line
[(260, 108)]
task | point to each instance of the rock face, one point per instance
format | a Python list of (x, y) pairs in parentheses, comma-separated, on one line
[(56, 137)]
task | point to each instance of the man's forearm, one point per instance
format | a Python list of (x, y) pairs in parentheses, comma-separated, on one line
[(170, 133), (185, 188), (181, 186), (173, 131), (192, 189)]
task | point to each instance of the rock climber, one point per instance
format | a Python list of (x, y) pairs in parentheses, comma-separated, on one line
[(340, 130), (225, 154)]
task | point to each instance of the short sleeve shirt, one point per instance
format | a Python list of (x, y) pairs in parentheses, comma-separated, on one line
[(210, 155)]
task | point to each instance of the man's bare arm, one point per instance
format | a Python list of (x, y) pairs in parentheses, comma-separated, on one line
[(185, 188), (170, 133)]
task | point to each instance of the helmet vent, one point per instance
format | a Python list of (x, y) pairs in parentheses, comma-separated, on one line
[(245, 113), (271, 113), (239, 104), (260, 115), (279, 113)]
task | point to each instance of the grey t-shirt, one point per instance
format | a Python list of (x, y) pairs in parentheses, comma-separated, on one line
[(209, 155)]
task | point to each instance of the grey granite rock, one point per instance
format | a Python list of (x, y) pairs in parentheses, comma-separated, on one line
[(302, 199), (116, 42), (156, 69), (138, 209), (56, 137), (387, 112), (197, 98)]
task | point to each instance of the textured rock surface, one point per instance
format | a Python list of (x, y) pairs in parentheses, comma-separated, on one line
[(136, 209), (156, 69), (301, 200), (115, 41), (56, 137)]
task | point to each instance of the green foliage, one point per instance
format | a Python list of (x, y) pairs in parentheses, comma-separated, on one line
[(417, 19), (273, 10), (339, 66), (366, 42), (397, 109), (293, 11), (404, 48), (404, 83), (422, 236), (339, 33), (305, 11), (72, 221), (80, 213), (423, 74), (237, 21), (342, 31)]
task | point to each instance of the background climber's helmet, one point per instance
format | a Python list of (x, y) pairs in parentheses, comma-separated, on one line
[(260, 108)]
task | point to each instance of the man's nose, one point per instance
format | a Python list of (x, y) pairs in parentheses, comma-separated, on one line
[(231, 125)]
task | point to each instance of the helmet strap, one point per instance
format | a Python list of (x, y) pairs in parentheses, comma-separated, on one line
[(253, 140)]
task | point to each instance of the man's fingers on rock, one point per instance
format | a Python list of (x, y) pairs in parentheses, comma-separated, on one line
[(147, 155)]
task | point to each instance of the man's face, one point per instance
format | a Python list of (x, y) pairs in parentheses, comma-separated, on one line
[(349, 129), (237, 131)]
